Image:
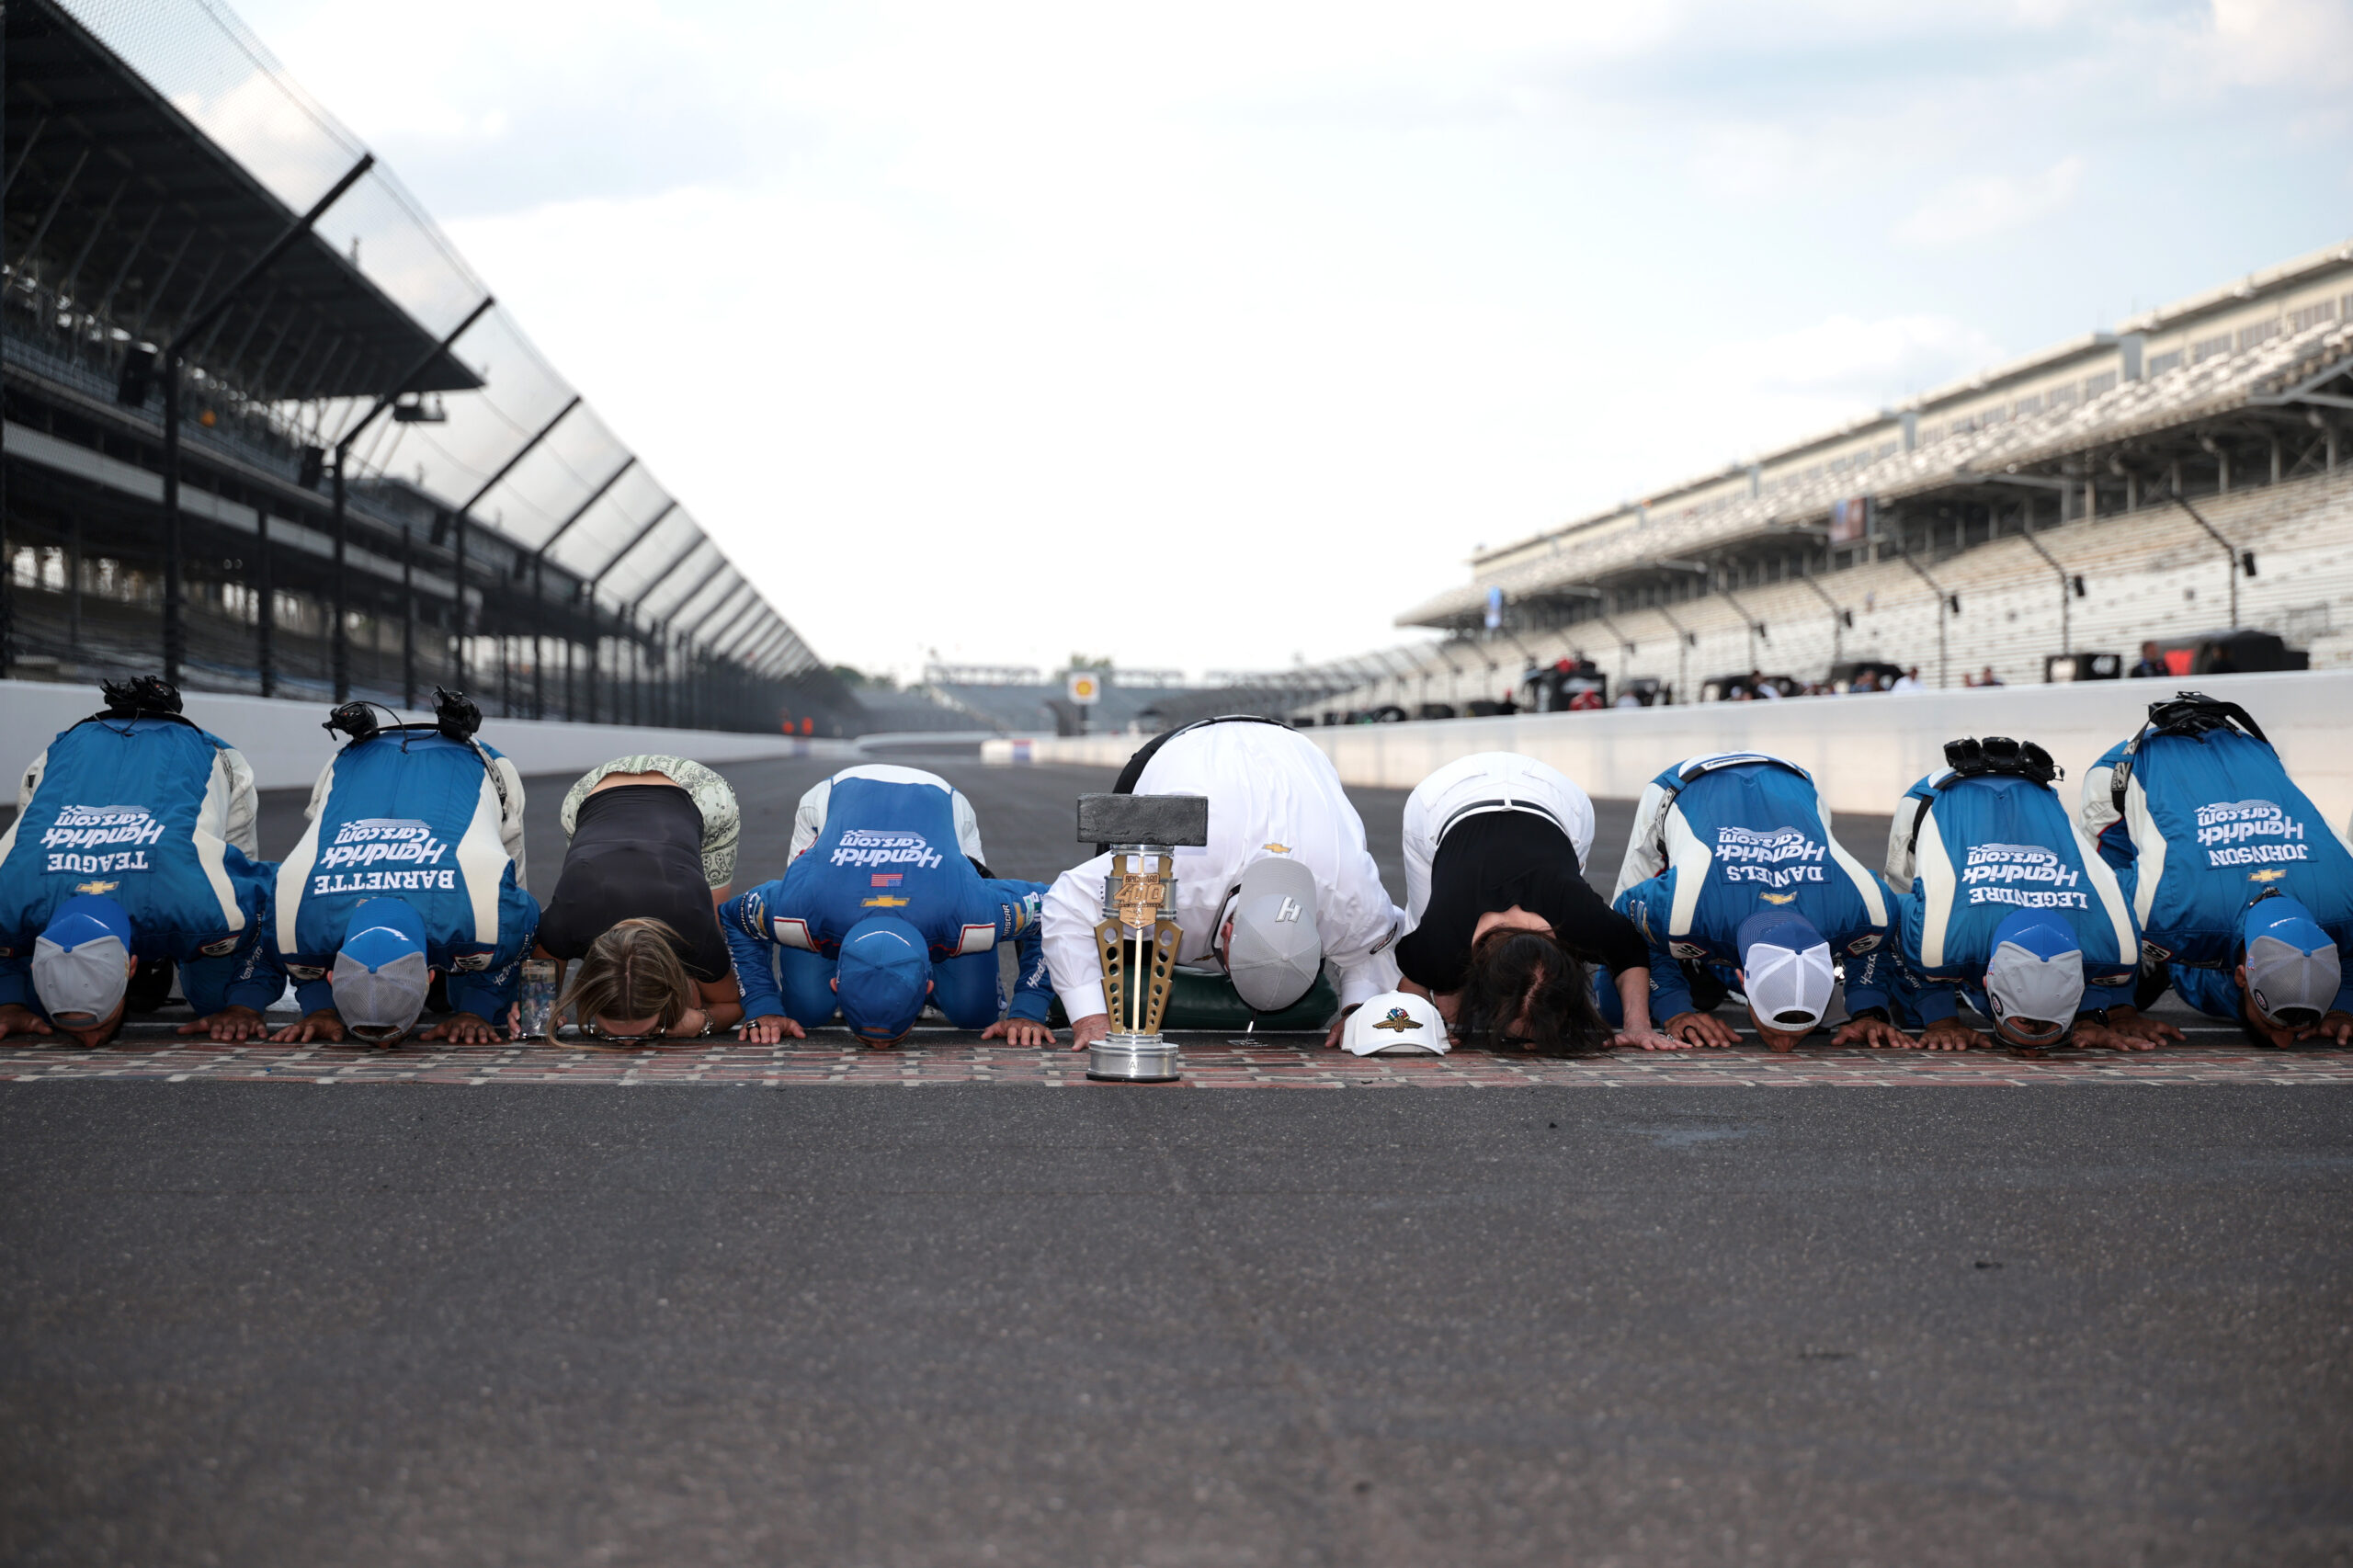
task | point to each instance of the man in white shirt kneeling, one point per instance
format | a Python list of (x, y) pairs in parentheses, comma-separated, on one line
[(1283, 893)]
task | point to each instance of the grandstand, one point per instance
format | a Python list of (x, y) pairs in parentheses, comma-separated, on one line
[(2190, 470), (1022, 700), (268, 431), (1019, 699)]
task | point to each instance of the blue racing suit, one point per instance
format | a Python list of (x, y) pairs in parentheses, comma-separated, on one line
[(157, 815), (1720, 838), (434, 822), (1965, 854), (887, 848), (2210, 823)]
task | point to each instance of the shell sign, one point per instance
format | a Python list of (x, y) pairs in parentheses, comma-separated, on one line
[(1085, 685)]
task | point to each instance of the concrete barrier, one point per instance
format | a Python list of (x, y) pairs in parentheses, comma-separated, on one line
[(1866, 751), (287, 747)]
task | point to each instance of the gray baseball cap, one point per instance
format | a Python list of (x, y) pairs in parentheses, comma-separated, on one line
[(2293, 970), (82, 960), (380, 976), (1278, 950), (2035, 976)]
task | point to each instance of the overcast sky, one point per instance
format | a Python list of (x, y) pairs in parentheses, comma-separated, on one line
[(1214, 335)]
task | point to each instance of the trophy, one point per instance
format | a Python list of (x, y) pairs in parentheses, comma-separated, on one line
[(1139, 936)]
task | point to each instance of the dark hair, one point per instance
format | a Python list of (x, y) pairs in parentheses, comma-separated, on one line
[(1513, 972)]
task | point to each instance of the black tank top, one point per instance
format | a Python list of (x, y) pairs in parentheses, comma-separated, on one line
[(636, 854)]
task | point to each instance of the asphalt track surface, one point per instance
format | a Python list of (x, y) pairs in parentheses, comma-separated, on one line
[(245, 1322)]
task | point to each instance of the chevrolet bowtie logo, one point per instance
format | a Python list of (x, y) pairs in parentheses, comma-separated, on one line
[(1277, 849), (95, 886), (1398, 1021), (1779, 897), (2267, 875), (883, 900)]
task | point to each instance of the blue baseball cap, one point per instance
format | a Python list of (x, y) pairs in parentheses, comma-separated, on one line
[(884, 977), (81, 961), (2035, 976), (2293, 970), (380, 977), (85, 917)]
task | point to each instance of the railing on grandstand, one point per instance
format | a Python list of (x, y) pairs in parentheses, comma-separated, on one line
[(586, 590)]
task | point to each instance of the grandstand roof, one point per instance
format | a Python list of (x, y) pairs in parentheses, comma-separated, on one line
[(2312, 265), (2008, 373), (2277, 356), (156, 210)]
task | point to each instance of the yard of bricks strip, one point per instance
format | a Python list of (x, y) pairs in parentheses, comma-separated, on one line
[(1209, 1062)]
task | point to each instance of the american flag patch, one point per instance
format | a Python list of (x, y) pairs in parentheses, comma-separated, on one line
[(886, 879)]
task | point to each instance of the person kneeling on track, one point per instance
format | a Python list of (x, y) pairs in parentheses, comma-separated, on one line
[(412, 868), (2244, 893), (651, 855), (1737, 884), (887, 905), (2003, 900), (1284, 886), (1502, 928), (134, 851)]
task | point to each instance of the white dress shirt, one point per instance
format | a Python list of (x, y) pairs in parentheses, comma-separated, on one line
[(1270, 792)]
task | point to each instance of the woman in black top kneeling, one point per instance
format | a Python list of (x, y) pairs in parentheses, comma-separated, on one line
[(1503, 930), (634, 913)]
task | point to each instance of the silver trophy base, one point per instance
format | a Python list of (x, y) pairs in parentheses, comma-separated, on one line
[(1133, 1059)]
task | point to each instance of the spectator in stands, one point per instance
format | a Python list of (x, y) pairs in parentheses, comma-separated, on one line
[(1987, 678), (887, 905), (134, 851), (2002, 901), (2153, 663), (2251, 909), (412, 868), (1627, 699), (1908, 681), (1284, 889), (650, 854), (1765, 690), (1501, 930), (1777, 905)]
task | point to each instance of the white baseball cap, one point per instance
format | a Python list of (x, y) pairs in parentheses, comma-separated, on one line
[(1786, 969), (1396, 1022)]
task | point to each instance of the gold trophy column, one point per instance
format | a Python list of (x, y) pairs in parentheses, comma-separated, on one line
[(1138, 939)]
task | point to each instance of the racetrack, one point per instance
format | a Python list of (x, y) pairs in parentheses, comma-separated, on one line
[(255, 1322)]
